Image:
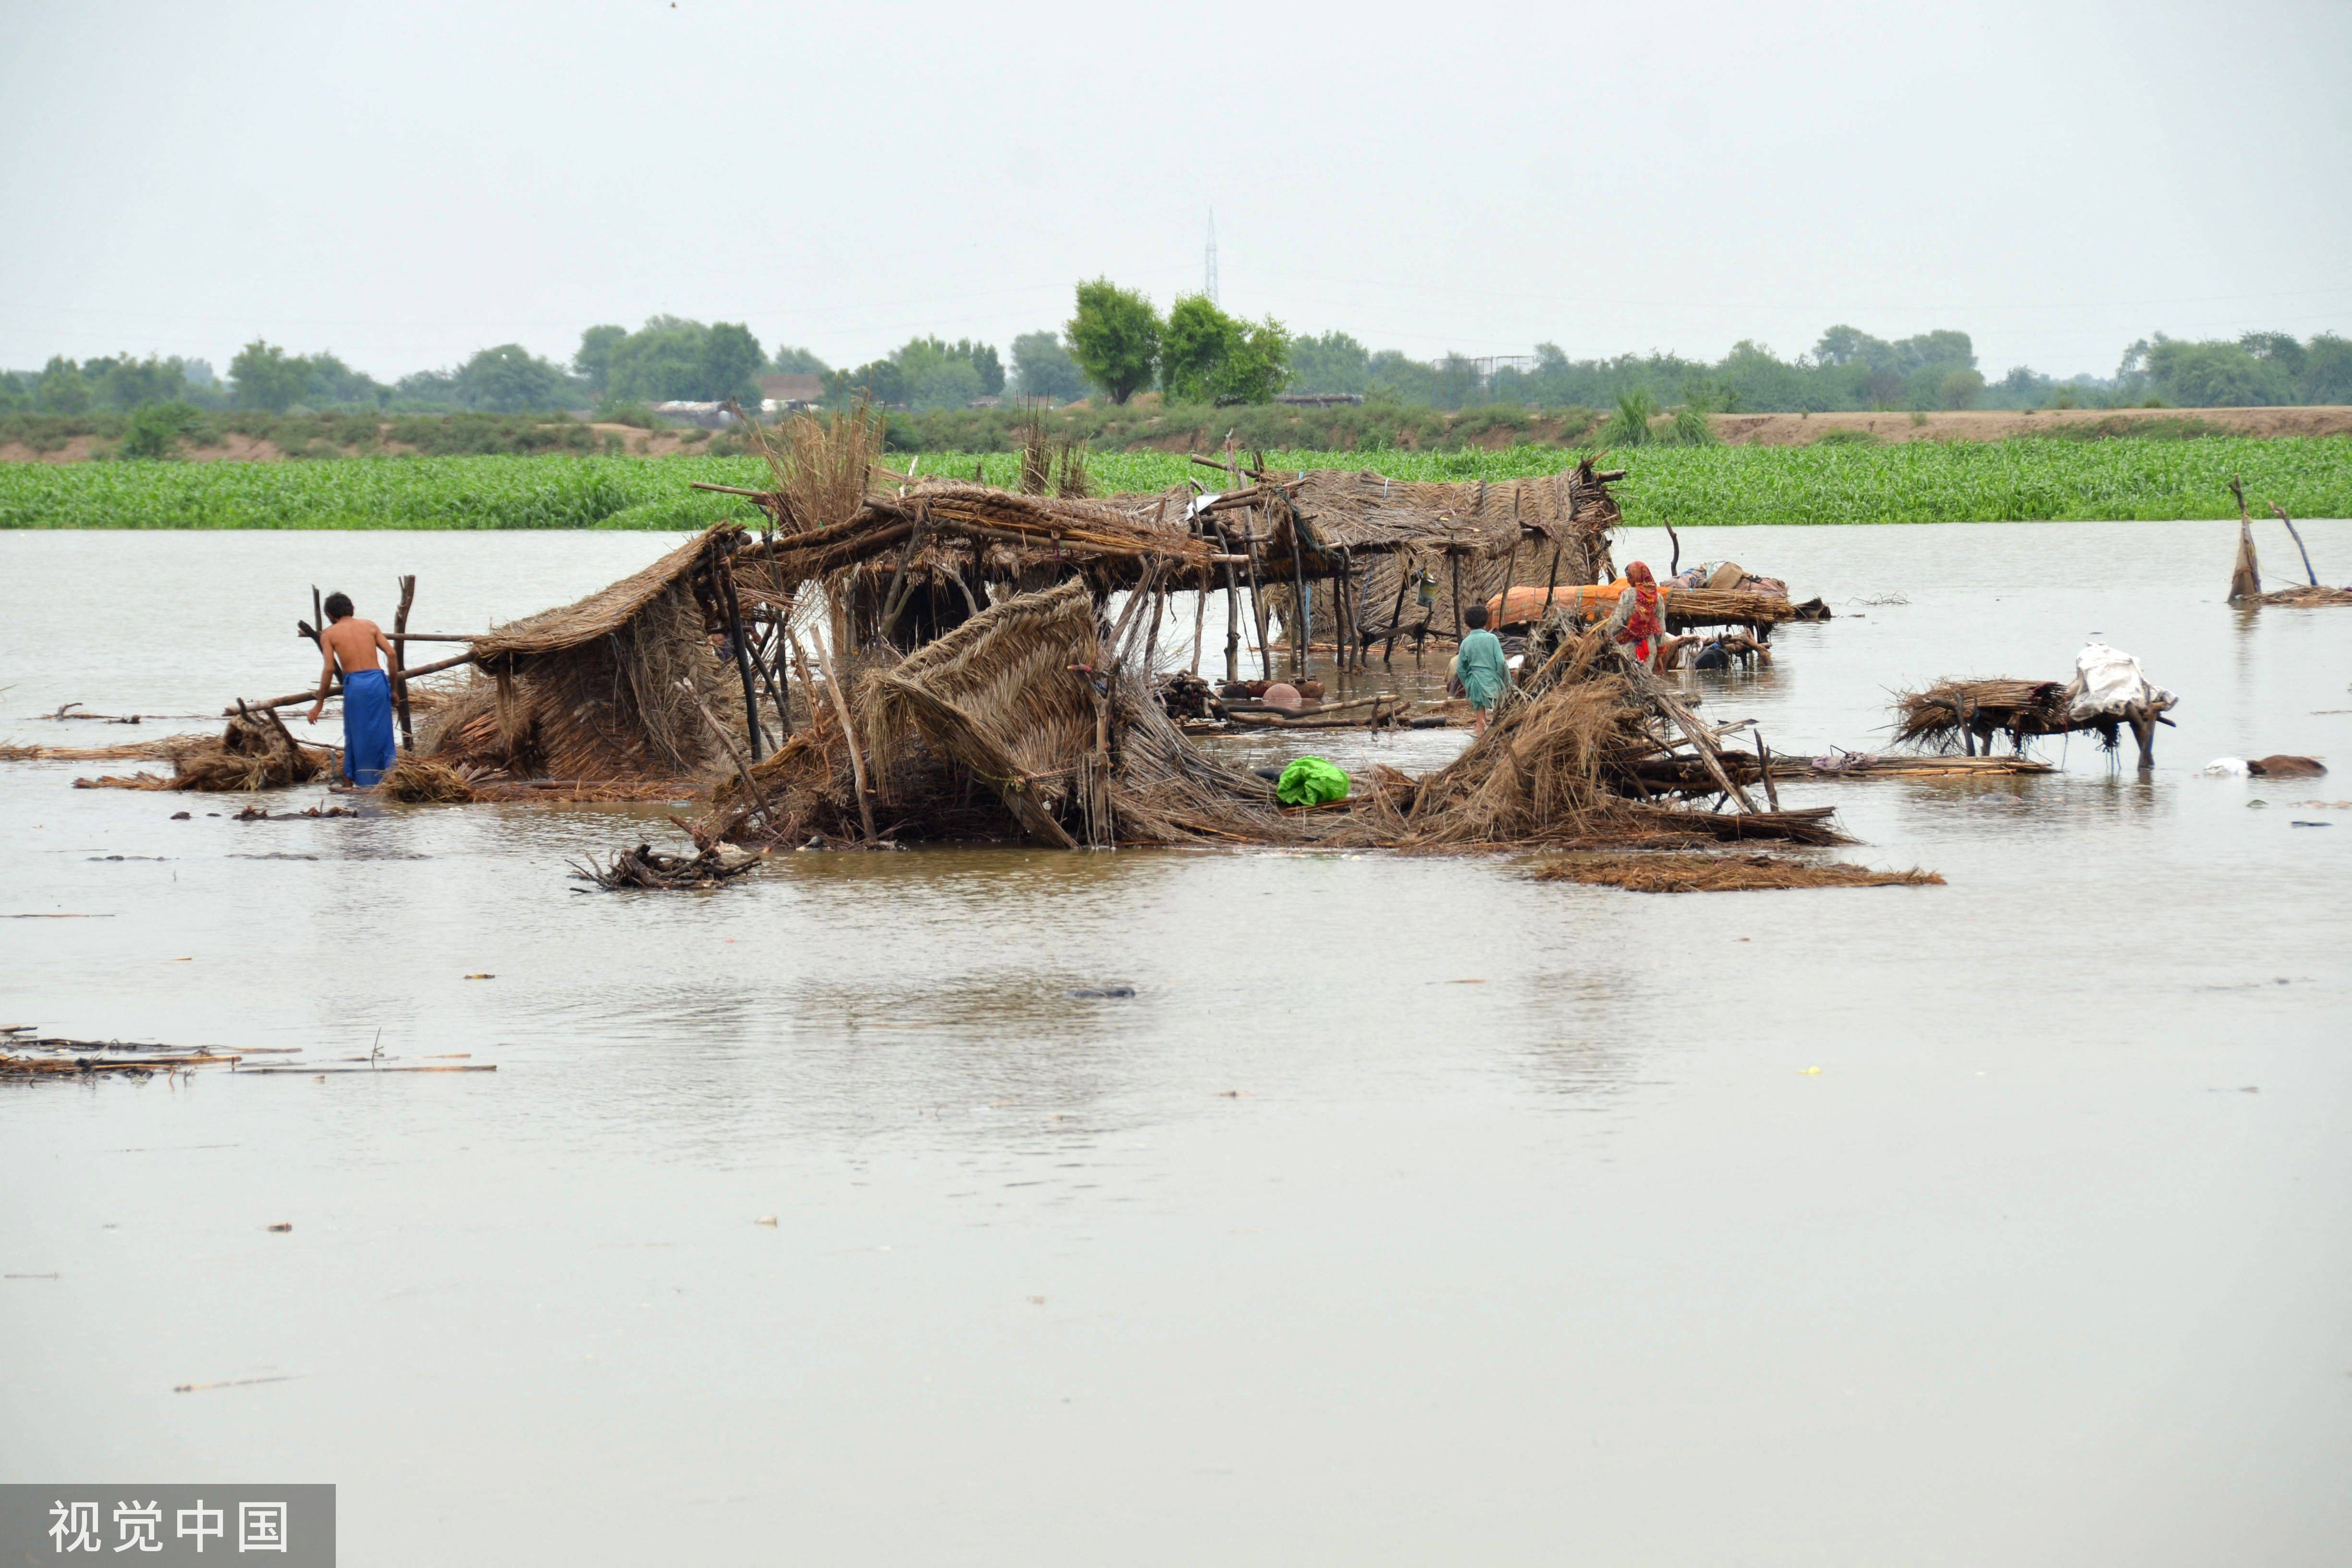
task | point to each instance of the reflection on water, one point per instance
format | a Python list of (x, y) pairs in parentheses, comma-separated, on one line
[(1407, 1210)]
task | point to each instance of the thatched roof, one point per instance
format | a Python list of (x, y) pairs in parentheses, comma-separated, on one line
[(1003, 531), (607, 610), (1366, 513)]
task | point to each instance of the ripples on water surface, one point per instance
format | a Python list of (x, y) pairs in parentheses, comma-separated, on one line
[(1407, 1212)]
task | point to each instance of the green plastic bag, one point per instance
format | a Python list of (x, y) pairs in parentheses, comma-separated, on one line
[(1311, 780)]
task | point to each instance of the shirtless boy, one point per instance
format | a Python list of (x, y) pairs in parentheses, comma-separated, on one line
[(351, 645)]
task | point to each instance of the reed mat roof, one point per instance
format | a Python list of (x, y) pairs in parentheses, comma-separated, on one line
[(608, 610), (1933, 720)]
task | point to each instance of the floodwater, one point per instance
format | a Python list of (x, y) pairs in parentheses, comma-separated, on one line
[(1408, 1211)]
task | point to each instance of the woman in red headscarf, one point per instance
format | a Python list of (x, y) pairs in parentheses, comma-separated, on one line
[(1640, 621)]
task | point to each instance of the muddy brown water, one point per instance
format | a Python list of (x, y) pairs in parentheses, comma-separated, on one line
[(1406, 1212)]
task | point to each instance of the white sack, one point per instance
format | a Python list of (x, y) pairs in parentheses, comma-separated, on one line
[(2108, 680)]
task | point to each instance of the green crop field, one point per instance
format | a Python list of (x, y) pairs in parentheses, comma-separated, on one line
[(1923, 482)]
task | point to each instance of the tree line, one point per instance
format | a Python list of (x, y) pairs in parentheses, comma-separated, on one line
[(1117, 344)]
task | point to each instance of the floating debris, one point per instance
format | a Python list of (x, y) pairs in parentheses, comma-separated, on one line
[(1662, 873), (648, 868)]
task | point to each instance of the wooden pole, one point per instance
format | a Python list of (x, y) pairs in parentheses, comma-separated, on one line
[(743, 769), (1257, 603), (1200, 616), (724, 581), (400, 662), (771, 674), (1764, 766), (849, 732), (1454, 560), (309, 694), (2308, 570), (1406, 572), (1302, 623), (1233, 628)]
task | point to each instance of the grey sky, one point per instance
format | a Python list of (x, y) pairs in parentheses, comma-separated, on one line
[(405, 184)]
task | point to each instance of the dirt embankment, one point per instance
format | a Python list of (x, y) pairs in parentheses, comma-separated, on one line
[(1998, 425), (232, 447)]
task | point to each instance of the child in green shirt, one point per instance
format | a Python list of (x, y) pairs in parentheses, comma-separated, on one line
[(1480, 667)]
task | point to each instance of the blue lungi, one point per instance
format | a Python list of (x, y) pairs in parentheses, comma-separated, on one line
[(367, 726)]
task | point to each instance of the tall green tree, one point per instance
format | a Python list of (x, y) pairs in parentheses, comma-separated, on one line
[(1338, 362), (1258, 366), (1193, 347), (796, 361), (328, 381), (1041, 367), (732, 361), (1208, 356), (265, 377), (1115, 337), (2215, 375), (510, 379), (2327, 369), (61, 389), (660, 361), (594, 358)]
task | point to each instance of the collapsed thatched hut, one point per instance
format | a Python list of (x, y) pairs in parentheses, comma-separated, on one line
[(912, 563), (1406, 559), (1034, 720), (636, 682)]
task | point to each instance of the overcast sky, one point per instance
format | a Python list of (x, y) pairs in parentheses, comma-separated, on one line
[(406, 183)]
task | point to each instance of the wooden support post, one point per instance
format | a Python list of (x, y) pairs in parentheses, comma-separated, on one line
[(1200, 618), (1406, 572), (400, 662), (849, 734), (1764, 766), (1258, 601), (771, 676), (1302, 622), (742, 769), (1233, 628), (1454, 560), (724, 581)]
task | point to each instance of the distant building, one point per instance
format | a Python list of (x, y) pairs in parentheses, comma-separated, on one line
[(709, 415), (787, 393), (1317, 399)]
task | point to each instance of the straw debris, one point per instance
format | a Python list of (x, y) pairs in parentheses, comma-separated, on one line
[(1666, 873)]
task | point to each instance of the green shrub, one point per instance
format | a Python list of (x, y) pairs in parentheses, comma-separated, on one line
[(157, 430)]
